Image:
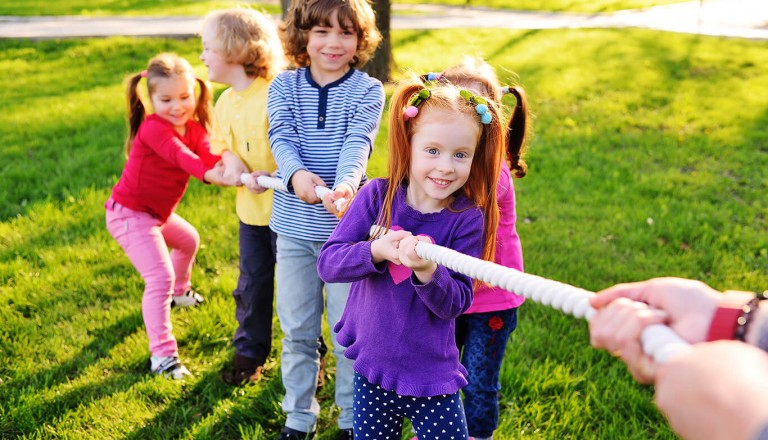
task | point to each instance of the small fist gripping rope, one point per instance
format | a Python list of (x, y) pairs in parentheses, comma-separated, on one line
[(277, 185), (659, 341)]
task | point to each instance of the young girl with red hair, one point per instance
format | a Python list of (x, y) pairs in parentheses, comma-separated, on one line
[(398, 324)]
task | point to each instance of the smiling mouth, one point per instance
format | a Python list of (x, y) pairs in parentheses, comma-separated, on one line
[(440, 181)]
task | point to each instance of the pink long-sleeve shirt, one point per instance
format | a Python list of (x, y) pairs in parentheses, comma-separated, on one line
[(157, 172), (509, 252)]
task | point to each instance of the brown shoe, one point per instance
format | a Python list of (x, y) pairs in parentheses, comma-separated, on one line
[(246, 370)]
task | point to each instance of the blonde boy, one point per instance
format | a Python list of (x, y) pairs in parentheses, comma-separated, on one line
[(242, 50)]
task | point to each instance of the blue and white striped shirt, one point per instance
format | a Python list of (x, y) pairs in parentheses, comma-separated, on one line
[(326, 130)]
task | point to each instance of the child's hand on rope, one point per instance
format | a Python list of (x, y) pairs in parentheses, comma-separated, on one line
[(253, 185), (215, 175), (386, 246), (304, 183), (342, 191), (423, 269), (233, 168)]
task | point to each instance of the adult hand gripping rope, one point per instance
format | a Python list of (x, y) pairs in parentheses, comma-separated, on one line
[(659, 341), (277, 185)]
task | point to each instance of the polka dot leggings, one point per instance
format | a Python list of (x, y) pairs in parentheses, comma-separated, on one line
[(379, 414)]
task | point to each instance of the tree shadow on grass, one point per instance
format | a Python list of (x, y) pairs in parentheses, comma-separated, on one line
[(26, 418), (187, 416)]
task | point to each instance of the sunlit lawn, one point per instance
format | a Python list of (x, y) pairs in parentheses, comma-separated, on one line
[(648, 159), (201, 7)]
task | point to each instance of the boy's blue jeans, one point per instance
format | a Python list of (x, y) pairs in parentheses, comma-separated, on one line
[(482, 338), (300, 310)]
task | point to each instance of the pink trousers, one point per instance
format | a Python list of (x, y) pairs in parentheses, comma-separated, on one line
[(145, 240)]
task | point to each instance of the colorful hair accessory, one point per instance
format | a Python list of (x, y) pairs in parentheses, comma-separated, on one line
[(432, 76), (412, 110), (481, 106), (143, 73)]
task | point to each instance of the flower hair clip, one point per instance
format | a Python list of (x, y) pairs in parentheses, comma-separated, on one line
[(412, 110), (481, 106)]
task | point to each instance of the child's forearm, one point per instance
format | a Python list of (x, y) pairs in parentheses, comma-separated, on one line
[(233, 167)]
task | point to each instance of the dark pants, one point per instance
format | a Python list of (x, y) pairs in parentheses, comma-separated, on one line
[(255, 292), (379, 414), (482, 338)]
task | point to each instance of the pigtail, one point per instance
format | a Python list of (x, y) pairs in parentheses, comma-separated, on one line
[(399, 147), (136, 111), (204, 109), (516, 133)]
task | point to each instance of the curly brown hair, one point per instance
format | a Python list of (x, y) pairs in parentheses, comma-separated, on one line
[(305, 14)]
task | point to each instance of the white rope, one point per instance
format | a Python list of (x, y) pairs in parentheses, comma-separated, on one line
[(659, 341), (277, 185)]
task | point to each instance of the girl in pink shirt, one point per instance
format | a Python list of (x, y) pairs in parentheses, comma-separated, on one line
[(164, 148), (483, 330)]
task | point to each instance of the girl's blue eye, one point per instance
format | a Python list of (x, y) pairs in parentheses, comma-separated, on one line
[(432, 150), (461, 155)]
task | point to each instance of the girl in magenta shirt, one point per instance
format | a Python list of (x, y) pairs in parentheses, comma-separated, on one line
[(483, 330)]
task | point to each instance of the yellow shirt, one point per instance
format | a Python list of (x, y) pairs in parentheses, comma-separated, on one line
[(241, 127)]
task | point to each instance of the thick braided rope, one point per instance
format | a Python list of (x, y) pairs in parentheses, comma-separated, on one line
[(659, 341), (277, 185)]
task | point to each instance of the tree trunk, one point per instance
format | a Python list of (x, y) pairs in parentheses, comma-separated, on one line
[(381, 64), (285, 5)]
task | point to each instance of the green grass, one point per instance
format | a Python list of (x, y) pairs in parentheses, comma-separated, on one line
[(128, 7), (648, 160), (586, 6), (201, 7)]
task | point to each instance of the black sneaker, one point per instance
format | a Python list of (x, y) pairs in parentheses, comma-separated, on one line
[(292, 434)]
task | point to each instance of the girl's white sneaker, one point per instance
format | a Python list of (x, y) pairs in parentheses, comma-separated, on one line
[(169, 367), (189, 299)]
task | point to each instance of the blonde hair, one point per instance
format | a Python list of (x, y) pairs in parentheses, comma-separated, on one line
[(164, 65), (248, 38), (480, 187), (305, 14)]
